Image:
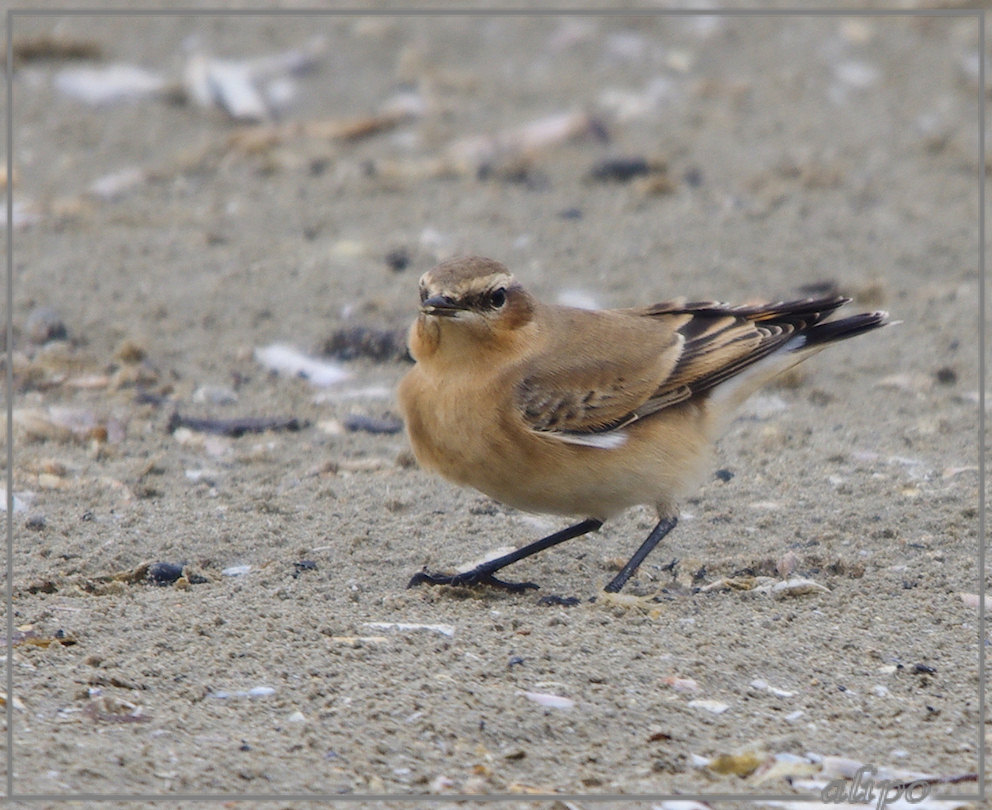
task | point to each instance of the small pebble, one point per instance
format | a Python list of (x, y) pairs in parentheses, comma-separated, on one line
[(763, 686), (357, 341), (443, 629), (620, 169), (738, 764), (58, 47), (214, 395), (713, 706), (787, 564), (398, 260), (19, 504), (113, 186), (164, 573), (130, 352), (798, 586), (856, 74), (973, 600), (236, 571), (549, 701), (108, 84), (35, 522), (946, 375), (254, 692), (289, 362), (562, 601), (840, 767), (44, 324), (681, 684)]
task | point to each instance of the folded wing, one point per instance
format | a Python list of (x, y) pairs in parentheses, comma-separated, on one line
[(609, 369)]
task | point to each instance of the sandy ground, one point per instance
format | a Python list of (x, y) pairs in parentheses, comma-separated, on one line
[(795, 152)]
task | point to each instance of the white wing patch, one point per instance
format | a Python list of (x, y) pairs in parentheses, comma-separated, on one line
[(604, 441)]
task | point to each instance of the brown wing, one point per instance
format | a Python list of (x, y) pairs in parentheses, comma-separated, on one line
[(604, 370), (596, 369)]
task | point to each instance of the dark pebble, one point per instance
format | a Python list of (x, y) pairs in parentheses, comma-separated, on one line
[(923, 669), (570, 213), (44, 324), (145, 397), (35, 522), (303, 565), (620, 170), (946, 375), (724, 475), (164, 573), (398, 260), (518, 172), (380, 345), (563, 601)]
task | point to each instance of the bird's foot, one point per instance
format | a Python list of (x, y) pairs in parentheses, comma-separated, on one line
[(477, 576)]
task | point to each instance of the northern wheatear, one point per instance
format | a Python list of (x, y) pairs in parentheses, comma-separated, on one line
[(586, 413)]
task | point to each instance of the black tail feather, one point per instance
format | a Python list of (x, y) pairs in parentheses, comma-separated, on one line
[(843, 328)]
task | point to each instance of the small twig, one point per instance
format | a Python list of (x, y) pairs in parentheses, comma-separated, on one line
[(234, 427)]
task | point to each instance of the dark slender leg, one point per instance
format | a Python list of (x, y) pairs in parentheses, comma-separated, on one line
[(483, 574), (665, 525)]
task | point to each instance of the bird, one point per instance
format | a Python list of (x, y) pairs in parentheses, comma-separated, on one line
[(585, 413)]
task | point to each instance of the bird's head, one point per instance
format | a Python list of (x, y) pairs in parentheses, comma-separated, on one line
[(472, 298)]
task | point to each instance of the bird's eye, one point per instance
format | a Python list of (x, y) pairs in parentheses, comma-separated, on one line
[(497, 298)]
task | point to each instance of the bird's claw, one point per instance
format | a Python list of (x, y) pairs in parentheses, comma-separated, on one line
[(469, 578)]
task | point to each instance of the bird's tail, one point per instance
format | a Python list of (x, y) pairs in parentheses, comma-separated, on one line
[(823, 333), (728, 395)]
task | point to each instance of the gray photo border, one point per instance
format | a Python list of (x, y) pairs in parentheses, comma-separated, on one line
[(11, 795)]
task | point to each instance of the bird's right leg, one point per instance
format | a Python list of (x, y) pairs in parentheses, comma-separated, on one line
[(482, 574)]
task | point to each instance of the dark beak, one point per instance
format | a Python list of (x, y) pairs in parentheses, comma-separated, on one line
[(440, 305)]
